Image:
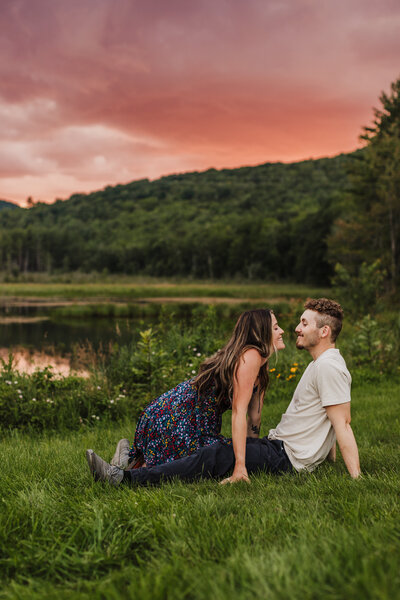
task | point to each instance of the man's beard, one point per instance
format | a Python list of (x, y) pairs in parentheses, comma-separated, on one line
[(312, 341)]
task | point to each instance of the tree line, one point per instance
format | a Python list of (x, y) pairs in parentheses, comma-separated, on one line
[(274, 222)]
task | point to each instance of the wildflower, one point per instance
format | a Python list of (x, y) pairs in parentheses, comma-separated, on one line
[(8, 382), (111, 401), (33, 399), (278, 376), (194, 349), (174, 515), (295, 364), (93, 416), (19, 391), (193, 371), (198, 354), (98, 387), (272, 370), (293, 369), (98, 418)]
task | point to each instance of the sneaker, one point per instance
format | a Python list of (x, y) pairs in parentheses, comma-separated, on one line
[(102, 471), (121, 455)]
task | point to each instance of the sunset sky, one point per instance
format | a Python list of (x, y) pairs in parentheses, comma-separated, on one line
[(99, 92)]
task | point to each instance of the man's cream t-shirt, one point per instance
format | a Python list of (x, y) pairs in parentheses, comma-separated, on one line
[(305, 429)]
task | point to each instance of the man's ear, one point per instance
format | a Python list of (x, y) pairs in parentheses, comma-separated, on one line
[(325, 331)]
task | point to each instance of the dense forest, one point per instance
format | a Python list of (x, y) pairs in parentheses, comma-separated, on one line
[(269, 221), (272, 222), (6, 204)]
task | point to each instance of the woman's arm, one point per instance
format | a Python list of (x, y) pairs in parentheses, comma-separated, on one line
[(246, 375)]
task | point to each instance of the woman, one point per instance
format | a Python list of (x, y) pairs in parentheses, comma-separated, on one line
[(189, 416)]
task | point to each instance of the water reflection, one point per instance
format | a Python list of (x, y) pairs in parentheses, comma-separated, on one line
[(36, 339), (28, 361)]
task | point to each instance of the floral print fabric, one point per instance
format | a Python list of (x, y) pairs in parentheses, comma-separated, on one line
[(176, 424)]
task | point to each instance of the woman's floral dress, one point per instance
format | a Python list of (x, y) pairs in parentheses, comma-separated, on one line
[(176, 424)]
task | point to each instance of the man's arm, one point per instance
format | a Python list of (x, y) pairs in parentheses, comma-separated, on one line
[(339, 416)]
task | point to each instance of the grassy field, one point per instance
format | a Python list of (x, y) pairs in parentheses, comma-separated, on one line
[(137, 290), (321, 535)]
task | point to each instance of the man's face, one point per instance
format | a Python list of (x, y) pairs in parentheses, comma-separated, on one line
[(308, 334)]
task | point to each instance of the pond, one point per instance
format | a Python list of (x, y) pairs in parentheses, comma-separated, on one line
[(37, 337)]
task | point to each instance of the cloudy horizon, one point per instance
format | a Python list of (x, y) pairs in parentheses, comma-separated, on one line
[(100, 92)]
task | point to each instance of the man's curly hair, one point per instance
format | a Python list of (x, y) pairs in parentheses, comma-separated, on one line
[(329, 313)]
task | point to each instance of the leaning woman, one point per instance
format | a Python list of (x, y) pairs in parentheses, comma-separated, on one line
[(188, 417)]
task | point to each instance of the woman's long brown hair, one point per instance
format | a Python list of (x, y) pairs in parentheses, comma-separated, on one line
[(252, 330)]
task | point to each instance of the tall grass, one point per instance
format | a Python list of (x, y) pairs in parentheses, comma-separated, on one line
[(320, 535)]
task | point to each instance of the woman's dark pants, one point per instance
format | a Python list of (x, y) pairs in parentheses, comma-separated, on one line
[(215, 461)]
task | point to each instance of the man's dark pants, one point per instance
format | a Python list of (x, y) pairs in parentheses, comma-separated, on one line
[(215, 461)]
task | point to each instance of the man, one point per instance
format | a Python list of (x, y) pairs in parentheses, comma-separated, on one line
[(317, 416)]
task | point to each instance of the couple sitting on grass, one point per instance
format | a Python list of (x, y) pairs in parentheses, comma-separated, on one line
[(178, 434)]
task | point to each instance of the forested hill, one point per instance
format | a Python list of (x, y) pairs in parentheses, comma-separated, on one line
[(6, 204), (269, 222)]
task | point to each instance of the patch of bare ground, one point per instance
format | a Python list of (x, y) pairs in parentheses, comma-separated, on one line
[(32, 302)]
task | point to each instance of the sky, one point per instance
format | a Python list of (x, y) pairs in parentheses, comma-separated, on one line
[(100, 92)]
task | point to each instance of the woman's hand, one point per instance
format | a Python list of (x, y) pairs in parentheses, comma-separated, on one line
[(241, 475)]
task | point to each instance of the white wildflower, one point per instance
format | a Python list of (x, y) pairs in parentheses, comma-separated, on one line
[(33, 399), (198, 354), (111, 401), (193, 371), (98, 387)]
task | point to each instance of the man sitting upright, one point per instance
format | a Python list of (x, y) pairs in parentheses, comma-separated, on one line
[(317, 416)]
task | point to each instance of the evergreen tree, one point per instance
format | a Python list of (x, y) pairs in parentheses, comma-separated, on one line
[(370, 227)]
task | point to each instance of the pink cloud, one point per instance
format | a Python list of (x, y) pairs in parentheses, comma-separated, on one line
[(158, 87)]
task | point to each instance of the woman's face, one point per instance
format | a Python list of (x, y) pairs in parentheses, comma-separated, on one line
[(277, 332)]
